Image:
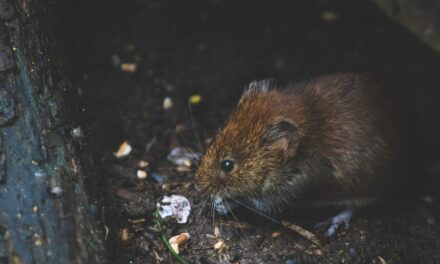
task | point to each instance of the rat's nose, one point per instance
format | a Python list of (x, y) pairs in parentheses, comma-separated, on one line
[(220, 180)]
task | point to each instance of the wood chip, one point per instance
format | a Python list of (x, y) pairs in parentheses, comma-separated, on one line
[(137, 221), (125, 235), (382, 260), (129, 67), (123, 150), (302, 232), (183, 169)]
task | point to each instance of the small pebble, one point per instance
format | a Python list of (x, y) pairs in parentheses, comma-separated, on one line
[(56, 190), (142, 164), (167, 103), (187, 163), (77, 132), (141, 174), (159, 178)]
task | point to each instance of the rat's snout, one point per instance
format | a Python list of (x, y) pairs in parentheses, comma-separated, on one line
[(210, 182), (215, 183), (219, 179)]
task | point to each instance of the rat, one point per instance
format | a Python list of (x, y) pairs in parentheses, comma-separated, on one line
[(333, 141)]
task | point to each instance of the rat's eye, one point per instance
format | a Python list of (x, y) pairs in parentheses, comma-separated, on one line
[(227, 165)]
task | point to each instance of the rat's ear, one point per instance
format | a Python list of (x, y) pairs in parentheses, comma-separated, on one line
[(263, 86), (259, 87), (283, 135)]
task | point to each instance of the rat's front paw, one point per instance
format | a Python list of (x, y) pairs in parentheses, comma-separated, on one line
[(333, 224)]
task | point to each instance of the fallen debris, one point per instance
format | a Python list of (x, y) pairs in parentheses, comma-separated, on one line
[(195, 99), (129, 67), (142, 164), (183, 157), (176, 206), (123, 150), (159, 178), (125, 235), (221, 247), (177, 241), (302, 232), (141, 174), (276, 234), (167, 103), (382, 260)]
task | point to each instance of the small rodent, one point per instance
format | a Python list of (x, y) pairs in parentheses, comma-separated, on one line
[(333, 140)]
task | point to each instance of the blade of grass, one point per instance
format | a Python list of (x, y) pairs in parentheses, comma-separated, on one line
[(165, 240)]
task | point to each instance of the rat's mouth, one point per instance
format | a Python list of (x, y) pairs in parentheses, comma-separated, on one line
[(223, 205)]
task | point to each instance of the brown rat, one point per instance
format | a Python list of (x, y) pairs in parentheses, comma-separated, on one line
[(333, 140)]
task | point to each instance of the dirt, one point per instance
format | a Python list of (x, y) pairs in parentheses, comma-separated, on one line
[(213, 49)]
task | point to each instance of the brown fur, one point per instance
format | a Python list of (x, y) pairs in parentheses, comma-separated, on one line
[(332, 140)]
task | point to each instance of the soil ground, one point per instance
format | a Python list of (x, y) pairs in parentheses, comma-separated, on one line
[(213, 48)]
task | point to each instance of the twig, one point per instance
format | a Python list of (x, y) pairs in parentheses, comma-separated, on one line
[(302, 232)]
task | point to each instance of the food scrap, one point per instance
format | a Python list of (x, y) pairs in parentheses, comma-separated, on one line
[(178, 240), (176, 206), (124, 150)]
